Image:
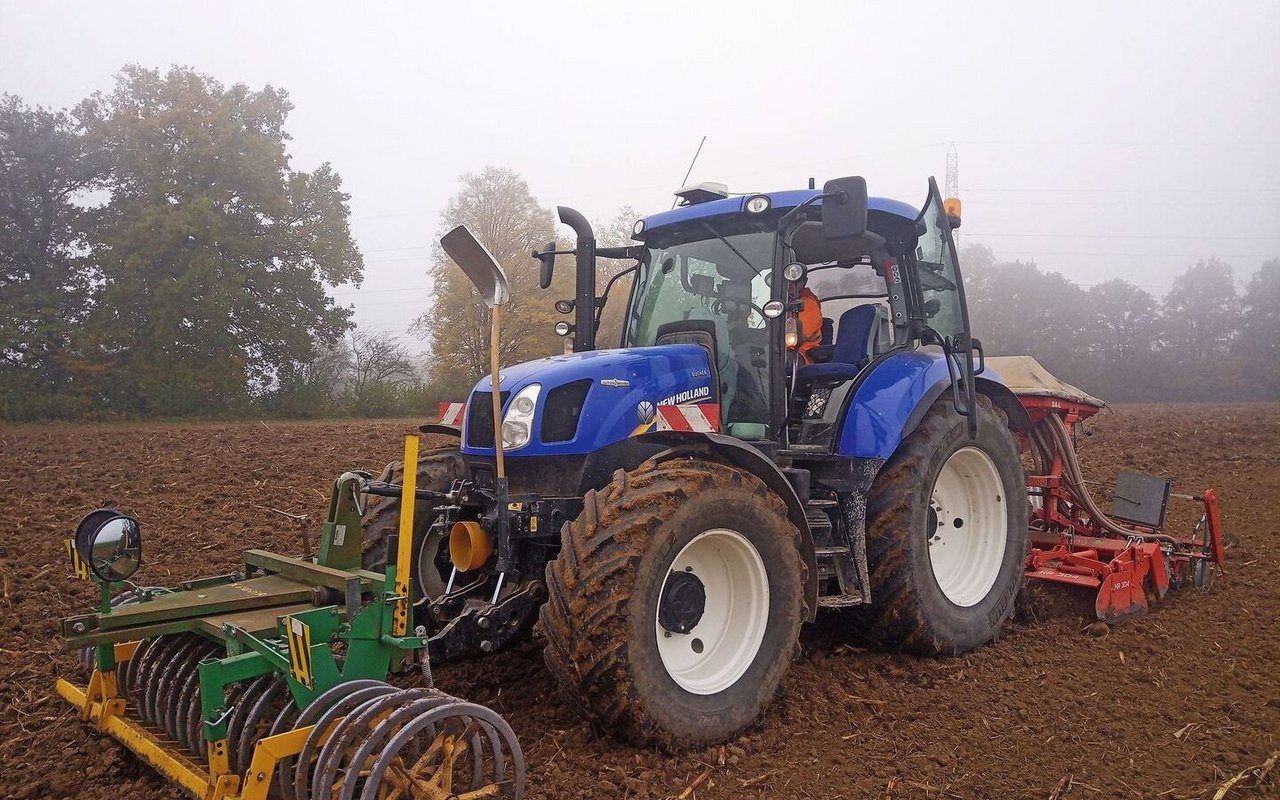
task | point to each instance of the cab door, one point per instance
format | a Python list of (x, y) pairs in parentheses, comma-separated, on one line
[(943, 312)]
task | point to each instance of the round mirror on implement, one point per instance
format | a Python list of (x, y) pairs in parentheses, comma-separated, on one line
[(110, 543)]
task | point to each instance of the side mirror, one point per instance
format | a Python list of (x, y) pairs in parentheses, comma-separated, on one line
[(844, 207), (546, 264), (110, 543), (478, 264)]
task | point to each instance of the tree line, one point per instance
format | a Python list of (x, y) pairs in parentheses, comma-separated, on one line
[(158, 253), (159, 256), (1203, 341)]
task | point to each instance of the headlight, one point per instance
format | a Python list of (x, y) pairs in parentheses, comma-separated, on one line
[(563, 328), (773, 309), (517, 423), (794, 271), (758, 204), (637, 229)]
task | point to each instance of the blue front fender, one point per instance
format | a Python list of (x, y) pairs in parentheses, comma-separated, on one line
[(881, 412)]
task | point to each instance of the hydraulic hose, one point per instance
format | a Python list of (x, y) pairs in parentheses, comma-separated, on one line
[(1050, 436)]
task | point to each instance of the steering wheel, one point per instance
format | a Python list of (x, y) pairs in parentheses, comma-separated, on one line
[(718, 307)]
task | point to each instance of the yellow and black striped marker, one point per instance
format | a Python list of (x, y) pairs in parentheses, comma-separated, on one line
[(299, 634), (78, 567), (404, 552)]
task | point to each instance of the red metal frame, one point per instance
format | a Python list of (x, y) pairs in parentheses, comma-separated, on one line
[(1069, 546)]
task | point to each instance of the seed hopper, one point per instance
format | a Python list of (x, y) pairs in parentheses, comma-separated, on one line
[(1127, 554)]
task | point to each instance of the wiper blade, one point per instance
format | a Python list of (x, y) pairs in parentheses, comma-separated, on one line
[(729, 245)]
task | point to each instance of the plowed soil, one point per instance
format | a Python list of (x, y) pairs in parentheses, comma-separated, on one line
[(1169, 705)]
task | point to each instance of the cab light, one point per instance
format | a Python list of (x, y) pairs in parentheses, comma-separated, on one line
[(792, 333), (951, 207)]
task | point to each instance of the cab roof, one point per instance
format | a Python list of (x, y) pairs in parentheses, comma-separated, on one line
[(783, 199)]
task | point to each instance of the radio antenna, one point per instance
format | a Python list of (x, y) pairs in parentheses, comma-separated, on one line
[(689, 171)]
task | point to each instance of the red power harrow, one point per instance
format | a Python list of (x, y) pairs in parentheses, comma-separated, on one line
[(1125, 555)]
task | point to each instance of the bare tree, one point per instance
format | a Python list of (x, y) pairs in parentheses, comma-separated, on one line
[(378, 360)]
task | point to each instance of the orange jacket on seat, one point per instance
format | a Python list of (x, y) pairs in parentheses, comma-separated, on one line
[(810, 320)]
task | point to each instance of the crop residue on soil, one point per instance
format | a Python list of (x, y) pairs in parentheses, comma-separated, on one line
[(1171, 705)]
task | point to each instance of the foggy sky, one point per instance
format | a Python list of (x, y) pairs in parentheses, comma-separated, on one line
[(1099, 139)]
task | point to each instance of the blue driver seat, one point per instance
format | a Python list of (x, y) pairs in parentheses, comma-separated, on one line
[(852, 335)]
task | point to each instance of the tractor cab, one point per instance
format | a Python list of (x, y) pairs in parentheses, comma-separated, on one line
[(727, 272)]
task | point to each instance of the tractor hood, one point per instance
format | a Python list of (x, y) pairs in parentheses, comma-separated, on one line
[(589, 400)]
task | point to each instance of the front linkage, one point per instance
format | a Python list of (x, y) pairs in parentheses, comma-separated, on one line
[(274, 678), (488, 602)]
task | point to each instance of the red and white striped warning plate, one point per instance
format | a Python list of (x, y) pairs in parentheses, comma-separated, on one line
[(701, 418), (452, 414)]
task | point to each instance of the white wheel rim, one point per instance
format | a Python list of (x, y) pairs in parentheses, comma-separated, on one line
[(716, 652), (967, 525)]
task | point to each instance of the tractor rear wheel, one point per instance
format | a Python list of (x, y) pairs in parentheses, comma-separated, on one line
[(675, 603), (438, 467), (946, 534)]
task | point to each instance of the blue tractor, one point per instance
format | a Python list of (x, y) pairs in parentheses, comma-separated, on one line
[(668, 512)]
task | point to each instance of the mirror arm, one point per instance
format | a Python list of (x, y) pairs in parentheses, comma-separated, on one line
[(794, 215), (604, 297), (632, 251), (791, 220)]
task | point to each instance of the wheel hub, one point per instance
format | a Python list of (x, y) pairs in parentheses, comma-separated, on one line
[(683, 602), (967, 526), (716, 593)]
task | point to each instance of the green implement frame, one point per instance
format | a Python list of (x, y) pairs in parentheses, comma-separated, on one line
[(280, 615)]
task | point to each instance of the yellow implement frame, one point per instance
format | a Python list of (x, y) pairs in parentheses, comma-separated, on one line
[(100, 705), (404, 551)]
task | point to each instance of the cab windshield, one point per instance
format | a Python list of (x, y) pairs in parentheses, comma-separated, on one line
[(714, 270)]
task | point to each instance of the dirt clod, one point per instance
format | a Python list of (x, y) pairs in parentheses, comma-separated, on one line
[(1046, 711)]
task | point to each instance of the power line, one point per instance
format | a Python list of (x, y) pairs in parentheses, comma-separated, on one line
[(1146, 191), (1126, 203), (1114, 254), (1078, 235), (390, 260), (384, 291), (400, 249)]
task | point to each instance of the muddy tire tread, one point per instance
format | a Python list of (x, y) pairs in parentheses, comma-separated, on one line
[(584, 621)]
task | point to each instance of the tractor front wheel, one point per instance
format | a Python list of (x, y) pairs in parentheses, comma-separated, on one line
[(675, 603), (946, 534)]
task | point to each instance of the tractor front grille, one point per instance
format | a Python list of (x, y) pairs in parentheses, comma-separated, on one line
[(480, 418), (562, 410)]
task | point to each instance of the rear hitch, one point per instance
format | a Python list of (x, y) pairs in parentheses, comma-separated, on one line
[(483, 627)]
